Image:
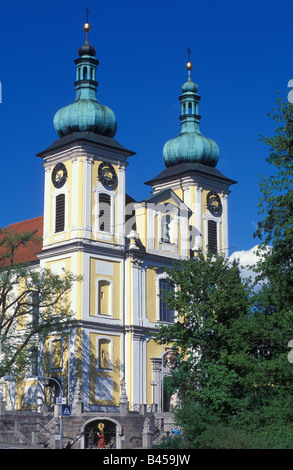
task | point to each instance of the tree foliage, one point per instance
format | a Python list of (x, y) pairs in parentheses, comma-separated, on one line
[(276, 208), (34, 303), (233, 371), (212, 306)]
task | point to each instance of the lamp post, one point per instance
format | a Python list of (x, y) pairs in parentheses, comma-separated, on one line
[(11, 378), (60, 411)]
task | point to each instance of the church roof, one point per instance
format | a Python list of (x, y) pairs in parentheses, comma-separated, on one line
[(189, 169), (27, 253), (85, 136)]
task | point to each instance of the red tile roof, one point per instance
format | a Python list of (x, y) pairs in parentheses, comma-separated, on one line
[(27, 253)]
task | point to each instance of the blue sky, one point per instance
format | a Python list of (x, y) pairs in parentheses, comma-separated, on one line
[(241, 55)]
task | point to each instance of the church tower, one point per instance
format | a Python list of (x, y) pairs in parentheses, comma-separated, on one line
[(190, 160), (187, 211), (84, 216)]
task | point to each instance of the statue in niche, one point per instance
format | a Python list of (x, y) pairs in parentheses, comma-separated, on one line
[(166, 229)]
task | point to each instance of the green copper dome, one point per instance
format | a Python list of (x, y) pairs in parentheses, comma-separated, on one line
[(85, 113), (190, 146)]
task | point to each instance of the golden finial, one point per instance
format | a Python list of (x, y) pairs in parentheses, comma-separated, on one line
[(87, 26), (189, 64)]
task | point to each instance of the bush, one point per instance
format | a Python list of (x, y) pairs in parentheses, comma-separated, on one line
[(201, 428)]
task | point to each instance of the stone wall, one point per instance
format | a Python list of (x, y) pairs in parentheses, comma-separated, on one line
[(132, 429)]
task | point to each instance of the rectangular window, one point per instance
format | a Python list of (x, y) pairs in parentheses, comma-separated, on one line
[(60, 213), (35, 308), (104, 354), (105, 213), (212, 236), (166, 314), (104, 298), (34, 362)]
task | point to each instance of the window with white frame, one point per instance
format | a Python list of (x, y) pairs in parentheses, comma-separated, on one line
[(212, 226), (165, 313), (104, 211)]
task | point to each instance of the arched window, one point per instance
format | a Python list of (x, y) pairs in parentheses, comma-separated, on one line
[(60, 213), (85, 73), (104, 212)]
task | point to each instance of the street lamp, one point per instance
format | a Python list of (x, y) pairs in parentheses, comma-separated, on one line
[(60, 411), (11, 378)]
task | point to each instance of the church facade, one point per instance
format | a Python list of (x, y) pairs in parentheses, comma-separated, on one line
[(91, 227)]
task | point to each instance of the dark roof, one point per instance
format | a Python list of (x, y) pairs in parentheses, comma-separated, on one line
[(88, 137), (189, 168)]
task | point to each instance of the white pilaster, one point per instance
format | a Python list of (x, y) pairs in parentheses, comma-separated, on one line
[(87, 197), (225, 233), (47, 201), (121, 205), (198, 219), (74, 198)]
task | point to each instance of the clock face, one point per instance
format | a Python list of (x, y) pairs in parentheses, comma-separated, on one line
[(214, 203), (59, 175), (107, 175)]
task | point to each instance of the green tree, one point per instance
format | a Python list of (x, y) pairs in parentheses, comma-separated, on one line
[(33, 303), (273, 319), (212, 335), (231, 360), (276, 207)]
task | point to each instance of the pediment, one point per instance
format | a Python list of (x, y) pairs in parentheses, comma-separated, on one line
[(169, 200)]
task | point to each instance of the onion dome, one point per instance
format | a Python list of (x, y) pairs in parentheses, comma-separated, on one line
[(86, 114), (190, 146)]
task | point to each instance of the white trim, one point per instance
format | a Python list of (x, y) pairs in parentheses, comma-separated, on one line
[(46, 229), (198, 242), (87, 199), (74, 198), (225, 229)]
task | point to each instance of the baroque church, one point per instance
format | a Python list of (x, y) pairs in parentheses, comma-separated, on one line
[(92, 227)]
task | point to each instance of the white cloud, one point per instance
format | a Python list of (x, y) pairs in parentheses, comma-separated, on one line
[(246, 259)]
